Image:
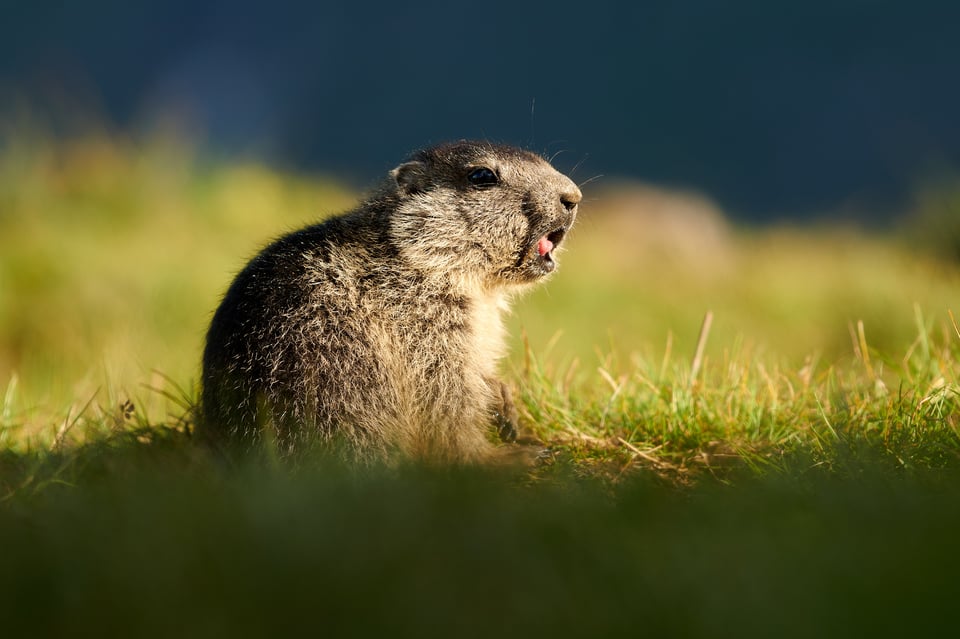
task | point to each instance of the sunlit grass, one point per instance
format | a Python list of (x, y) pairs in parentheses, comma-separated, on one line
[(114, 254)]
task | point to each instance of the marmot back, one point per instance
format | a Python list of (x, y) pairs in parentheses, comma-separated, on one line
[(381, 328)]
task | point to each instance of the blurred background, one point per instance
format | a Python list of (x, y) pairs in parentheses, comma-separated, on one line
[(791, 166), (775, 110)]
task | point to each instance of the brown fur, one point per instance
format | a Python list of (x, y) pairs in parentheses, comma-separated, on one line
[(381, 328)]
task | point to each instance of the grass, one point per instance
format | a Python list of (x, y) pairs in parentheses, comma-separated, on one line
[(181, 549), (755, 431)]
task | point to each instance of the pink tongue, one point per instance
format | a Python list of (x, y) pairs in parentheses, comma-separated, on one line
[(544, 246)]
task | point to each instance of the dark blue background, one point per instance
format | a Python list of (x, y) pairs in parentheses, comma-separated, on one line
[(773, 108)]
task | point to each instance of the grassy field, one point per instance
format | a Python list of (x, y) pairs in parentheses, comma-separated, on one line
[(755, 431)]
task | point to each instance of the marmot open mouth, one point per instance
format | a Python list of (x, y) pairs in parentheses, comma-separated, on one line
[(545, 247)]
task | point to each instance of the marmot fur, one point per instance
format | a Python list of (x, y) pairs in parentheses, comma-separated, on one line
[(381, 328)]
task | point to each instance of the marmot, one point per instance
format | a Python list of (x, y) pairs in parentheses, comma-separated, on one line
[(381, 328)]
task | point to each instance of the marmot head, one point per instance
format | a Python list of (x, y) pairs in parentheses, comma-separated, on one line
[(481, 211)]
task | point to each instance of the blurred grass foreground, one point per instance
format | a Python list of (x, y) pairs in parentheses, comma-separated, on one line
[(786, 468)]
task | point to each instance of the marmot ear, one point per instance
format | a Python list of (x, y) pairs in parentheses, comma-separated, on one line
[(411, 177)]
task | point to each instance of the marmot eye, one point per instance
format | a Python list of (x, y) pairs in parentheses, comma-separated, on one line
[(482, 177)]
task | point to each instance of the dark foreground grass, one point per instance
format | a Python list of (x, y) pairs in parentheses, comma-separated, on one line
[(142, 534)]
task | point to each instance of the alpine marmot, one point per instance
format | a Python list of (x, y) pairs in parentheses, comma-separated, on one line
[(380, 329)]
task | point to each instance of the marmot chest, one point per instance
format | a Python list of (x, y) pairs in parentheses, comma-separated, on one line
[(461, 336)]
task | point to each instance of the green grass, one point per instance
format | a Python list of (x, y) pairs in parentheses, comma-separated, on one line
[(146, 539), (788, 468)]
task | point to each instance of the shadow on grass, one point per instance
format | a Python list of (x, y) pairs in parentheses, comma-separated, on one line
[(146, 535)]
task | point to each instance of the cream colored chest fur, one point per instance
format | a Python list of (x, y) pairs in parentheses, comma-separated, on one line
[(487, 332)]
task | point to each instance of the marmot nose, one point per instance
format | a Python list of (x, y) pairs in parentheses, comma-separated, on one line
[(570, 197)]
